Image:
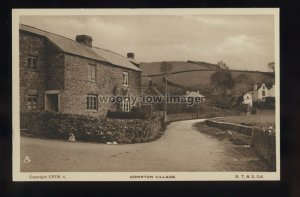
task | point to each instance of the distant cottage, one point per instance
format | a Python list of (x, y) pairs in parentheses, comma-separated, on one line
[(195, 94), (247, 99), (259, 93), (63, 75)]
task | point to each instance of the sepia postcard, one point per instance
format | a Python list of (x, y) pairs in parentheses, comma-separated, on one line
[(146, 94)]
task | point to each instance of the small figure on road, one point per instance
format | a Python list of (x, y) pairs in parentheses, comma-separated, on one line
[(72, 137), (27, 159)]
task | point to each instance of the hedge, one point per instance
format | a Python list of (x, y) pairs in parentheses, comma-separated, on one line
[(53, 125), (126, 115)]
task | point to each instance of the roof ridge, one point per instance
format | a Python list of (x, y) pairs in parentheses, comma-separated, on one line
[(109, 51), (91, 52), (69, 38), (49, 32)]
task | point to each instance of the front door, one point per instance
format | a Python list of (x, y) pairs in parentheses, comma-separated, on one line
[(51, 102)]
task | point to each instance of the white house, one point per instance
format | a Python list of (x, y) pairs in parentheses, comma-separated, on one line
[(247, 99), (195, 94), (272, 91), (259, 93)]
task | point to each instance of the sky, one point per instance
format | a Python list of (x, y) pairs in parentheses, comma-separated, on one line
[(243, 42)]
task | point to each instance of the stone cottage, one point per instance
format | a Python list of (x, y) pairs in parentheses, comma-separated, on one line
[(68, 76)]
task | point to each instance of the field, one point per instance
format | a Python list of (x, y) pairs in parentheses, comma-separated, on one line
[(193, 78), (264, 118)]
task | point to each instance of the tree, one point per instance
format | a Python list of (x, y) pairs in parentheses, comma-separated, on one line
[(166, 69), (272, 66), (222, 80), (223, 65)]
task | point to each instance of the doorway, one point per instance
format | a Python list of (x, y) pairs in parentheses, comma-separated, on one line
[(52, 102)]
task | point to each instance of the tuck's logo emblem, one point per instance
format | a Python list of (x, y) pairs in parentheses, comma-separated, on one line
[(27, 159)]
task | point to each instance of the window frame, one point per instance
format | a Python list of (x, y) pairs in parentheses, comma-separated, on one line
[(126, 105), (125, 79), (92, 102), (30, 104), (30, 65), (92, 75)]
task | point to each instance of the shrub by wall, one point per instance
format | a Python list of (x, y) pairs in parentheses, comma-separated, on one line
[(54, 125), (264, 144), (126, 115), (262, 140)]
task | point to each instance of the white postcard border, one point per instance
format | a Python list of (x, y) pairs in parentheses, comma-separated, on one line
[(136, 176)]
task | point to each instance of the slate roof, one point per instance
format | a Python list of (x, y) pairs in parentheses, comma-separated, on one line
[(258, 86), (72, 47)]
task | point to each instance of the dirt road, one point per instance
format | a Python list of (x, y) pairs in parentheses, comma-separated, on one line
[(181, 148)]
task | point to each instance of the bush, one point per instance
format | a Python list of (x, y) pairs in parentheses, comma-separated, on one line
[(126, 115), (270, 102), (52, 125)]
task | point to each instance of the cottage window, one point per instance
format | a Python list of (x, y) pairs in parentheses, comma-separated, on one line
[(92, 102), (126, 105), (32, 63), (263, 93), (92, 72), (32, 101), (125, 79)]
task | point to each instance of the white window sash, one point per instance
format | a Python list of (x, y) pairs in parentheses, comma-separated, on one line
[(125, 78)]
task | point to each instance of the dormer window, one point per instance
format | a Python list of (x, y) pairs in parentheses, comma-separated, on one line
[(125, 79)]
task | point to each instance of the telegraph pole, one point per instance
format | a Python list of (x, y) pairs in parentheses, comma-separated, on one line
[(166, 104)]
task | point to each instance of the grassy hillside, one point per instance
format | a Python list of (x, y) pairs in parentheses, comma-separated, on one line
[(186, 74), (153, 68)]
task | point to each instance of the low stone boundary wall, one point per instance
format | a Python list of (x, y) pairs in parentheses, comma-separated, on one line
[(231, 126), (262, 140), (264, 143), (54, 125), (181, 116)]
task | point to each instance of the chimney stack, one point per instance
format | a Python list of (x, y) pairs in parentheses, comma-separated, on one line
[(130, 55), (84, 39)]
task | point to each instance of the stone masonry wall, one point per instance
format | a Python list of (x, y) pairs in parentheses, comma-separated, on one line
[(262, 141), (55, 68), (32, 82), (69, 74), (53, 125), (77, 86)]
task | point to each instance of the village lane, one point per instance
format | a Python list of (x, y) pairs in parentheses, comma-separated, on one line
[(181, 148)]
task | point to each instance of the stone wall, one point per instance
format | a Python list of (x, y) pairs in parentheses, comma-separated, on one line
[(69, 74), (264, 143), (262, 140), (230, 126), (55, 68), (181, 116), (53, 125), (108, 82), (32, 82)]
